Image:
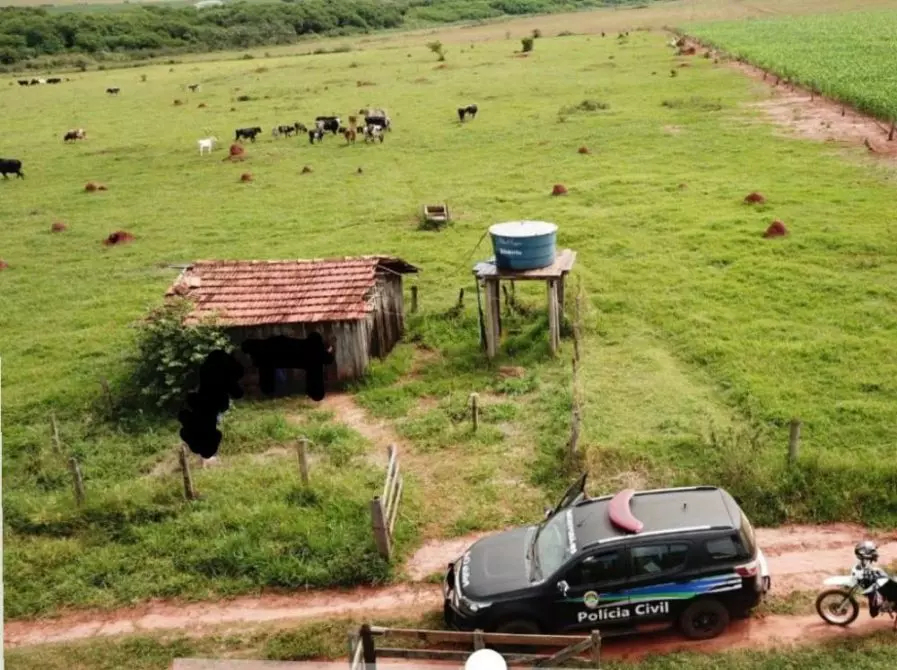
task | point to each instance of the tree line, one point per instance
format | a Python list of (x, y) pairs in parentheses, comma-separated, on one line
[(36, 37)]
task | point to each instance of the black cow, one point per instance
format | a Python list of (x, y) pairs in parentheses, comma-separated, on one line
[(113, 91), (470, 109), (35, 82), (315, 134), (248, 133), (193, 87), (328, 123), (24, 82), (11, 166), (379, 121), (54, 80)]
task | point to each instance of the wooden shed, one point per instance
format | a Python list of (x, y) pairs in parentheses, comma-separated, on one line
[(356, 304)]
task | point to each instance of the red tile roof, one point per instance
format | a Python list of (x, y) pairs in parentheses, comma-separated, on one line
[(251, 293)]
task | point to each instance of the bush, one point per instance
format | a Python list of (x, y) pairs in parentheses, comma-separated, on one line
[(436, 48), (527, 43), (169, 353), (537, 34)]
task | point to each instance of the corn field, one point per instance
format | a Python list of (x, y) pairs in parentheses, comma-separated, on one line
[(848, 57)]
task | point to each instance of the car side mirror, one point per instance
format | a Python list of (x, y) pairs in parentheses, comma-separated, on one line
[(563, 587)]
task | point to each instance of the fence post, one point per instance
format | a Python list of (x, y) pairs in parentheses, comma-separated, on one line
[(794, 441), (381, 532), (77, 480), (189, 491), (104, 383), (478, 640), (56, 442), (475, 410), (413, 299), (302, 453), (367, 645), (596, 648), (891, 132)]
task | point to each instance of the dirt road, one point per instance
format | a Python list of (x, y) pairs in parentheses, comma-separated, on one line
[(799, 558)]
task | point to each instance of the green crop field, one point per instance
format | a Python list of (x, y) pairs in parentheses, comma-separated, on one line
[(701, 338), (849, 57)]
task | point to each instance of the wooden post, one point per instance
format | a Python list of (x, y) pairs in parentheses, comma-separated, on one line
[(496, 307), (504, 290), (554, 332), (413, 299), (56, 442), (104, 383), (475, 410), (577, 323), (891, 132), (381, 533), (794, 441), (492, 326), (367, 645), (460, 304), (77, 480), (478, 640), (302, 453), (183, 457), (596, 648)]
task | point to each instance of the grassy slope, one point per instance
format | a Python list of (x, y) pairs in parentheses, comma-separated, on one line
[(327, 640), (849, 56), (695, 320)]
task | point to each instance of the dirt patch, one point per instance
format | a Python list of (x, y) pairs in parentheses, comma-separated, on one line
[(776, 229), (58, 227), (754, 198), (245, 177), (583, 150), (815, 117), (672, 130), (156, 616), (118, 237), (435, 555)]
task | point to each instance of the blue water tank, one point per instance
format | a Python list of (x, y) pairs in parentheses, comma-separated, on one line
[(523, 245)]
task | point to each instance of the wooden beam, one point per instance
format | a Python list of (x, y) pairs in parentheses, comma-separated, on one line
[(378, 523), (489, 316), (566, 654), (554, 329), (496, 307), (467, 637)]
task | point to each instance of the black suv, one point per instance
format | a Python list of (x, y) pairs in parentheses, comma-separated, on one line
[(683, 556)]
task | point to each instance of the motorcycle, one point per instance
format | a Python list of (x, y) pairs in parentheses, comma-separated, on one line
[(839, 606)]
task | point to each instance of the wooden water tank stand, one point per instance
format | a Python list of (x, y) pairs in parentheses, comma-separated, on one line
[(554, 276)]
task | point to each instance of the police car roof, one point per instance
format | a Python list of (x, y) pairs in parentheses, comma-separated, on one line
[(661, 511)]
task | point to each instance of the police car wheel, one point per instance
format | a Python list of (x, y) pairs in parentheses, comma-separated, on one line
[(704, 619)]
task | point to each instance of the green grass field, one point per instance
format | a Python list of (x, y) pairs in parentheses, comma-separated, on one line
[(702, 338), (848, 57)]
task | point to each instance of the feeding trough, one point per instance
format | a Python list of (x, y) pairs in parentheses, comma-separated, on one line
[(435, 216), (524, 245)]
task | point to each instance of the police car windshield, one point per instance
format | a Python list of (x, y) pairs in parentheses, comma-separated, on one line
[(554, 544)]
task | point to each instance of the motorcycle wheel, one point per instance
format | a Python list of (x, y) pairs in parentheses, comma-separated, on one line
[(837, 607)]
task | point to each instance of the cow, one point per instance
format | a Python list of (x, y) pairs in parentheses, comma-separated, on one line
[(11, 166), (24, 82), (35, 82), (289, 129), (381, 121), (113, 91), (206, 144), (54, 80), (350, 135), (71, 135), (328, 123), (248, 133), (463, 111), (315, 134), (193, 87), (373, 133)]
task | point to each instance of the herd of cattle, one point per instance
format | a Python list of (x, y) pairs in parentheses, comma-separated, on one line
[(376, 124), (38, 82)]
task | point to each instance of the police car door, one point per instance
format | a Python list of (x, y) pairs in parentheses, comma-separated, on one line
[(591, 592), (661, 582)]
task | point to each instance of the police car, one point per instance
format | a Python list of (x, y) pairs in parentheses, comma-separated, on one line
[(681, 556)]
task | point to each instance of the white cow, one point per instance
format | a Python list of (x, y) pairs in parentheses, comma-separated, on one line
[(207, 144)]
